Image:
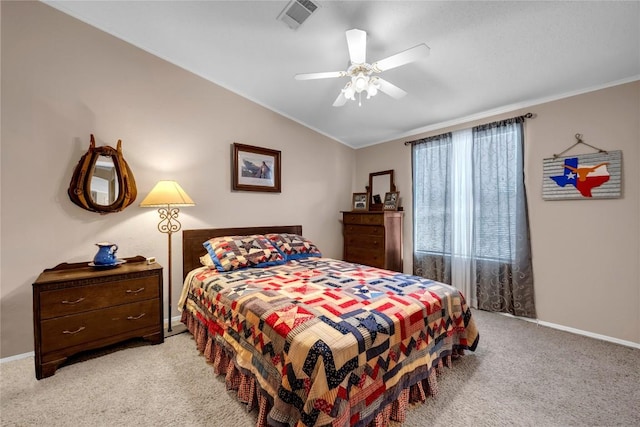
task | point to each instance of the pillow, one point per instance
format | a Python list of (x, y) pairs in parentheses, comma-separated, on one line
[(237, 252), (293, 246), (207, 261)]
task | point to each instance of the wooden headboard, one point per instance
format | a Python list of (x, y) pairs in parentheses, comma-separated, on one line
[(192, 240)]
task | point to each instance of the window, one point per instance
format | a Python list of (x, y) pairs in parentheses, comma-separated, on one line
[(470, 217)]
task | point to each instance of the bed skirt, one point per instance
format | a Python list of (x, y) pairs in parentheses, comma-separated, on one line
[(249, 392)]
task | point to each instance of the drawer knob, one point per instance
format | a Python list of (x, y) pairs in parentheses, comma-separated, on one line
[(137, 291), (135, 317), (73, 302), (81, 328)]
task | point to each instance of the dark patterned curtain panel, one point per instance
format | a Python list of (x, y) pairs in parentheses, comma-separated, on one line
[(431, 159), (471, 226), (504, 272)]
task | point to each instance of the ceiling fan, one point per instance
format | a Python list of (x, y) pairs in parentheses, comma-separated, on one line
[(362, 74)]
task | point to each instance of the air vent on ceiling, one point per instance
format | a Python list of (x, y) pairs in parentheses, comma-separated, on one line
[(296, 12)]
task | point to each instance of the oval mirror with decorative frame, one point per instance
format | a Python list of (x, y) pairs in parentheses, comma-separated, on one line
[(102, 181), (380, 183)]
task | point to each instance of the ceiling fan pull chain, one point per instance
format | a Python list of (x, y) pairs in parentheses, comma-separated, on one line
[(359, 99)]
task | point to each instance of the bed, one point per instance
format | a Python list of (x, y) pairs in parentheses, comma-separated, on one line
[(315, 341)]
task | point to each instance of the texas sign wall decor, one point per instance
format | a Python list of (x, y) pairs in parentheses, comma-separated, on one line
[(584, 176)]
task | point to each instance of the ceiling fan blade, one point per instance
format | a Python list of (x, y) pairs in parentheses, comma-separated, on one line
[(327, 75), (357, 44), (389, 88), (404, 57), (340, 100)]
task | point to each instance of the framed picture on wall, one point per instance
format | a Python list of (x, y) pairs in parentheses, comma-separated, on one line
[(360, 202), (256, 169), (391, 200)]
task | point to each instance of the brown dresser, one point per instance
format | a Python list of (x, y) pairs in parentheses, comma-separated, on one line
[(373, 238), (78, 308)]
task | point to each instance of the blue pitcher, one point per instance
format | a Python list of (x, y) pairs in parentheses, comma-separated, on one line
[(106, 254)]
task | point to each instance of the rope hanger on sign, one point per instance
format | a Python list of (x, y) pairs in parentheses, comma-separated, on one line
[(580, 141)]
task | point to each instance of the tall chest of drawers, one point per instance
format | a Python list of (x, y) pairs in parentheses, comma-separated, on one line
[(373, 238), (78, 308)]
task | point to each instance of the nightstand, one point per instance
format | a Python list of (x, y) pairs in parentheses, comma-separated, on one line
[(78, 308)]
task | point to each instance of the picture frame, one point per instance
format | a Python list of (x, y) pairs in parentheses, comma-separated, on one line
[(256, 169), (391, 200), (360, 202)]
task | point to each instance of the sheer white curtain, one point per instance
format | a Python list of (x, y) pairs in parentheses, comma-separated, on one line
[(462, 261)]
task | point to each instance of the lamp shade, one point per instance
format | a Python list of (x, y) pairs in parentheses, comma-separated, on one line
[(167, 193)]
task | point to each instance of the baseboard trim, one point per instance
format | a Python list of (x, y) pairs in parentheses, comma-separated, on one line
[(577, 331), (17, 357), (591, 334)]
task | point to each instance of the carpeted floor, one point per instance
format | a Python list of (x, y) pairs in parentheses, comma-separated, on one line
[(521, 375)]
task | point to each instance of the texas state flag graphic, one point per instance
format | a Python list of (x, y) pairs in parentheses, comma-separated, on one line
[(584, 177), (587, 176)]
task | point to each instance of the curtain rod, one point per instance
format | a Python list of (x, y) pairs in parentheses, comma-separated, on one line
[(523, 117)]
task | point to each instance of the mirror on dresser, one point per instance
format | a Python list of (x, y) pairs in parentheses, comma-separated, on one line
[(379, 184), (102, 181)]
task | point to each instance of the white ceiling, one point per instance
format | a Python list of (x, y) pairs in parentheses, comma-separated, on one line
[(486, 57)]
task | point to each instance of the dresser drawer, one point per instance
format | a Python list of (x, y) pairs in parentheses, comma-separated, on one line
[(372, 259), (72, 300), (364, 241), (364, 230), (365, 219), (69, 331), (369, 252)]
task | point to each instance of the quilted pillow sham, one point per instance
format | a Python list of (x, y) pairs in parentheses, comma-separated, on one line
[(230, 253), (294, 246)]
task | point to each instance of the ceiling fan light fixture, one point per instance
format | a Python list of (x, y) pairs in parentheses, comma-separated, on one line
[(349, 92), (361, 82), (374, 85)]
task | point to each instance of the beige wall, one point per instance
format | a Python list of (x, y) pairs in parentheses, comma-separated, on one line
[(586, 253), (63, 80)]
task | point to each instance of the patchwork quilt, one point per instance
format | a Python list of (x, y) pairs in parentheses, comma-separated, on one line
[(330, 341)]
